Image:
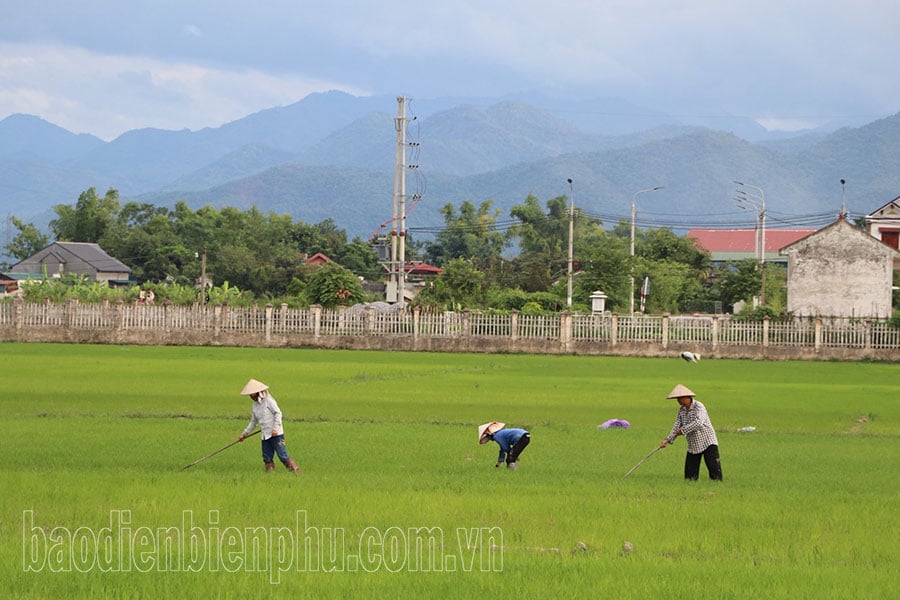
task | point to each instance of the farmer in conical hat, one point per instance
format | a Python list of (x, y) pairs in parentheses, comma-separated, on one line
[(692, 421), (511, 441), (267, 415)]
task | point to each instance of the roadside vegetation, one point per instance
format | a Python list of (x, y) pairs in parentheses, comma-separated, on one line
[(488, 261)]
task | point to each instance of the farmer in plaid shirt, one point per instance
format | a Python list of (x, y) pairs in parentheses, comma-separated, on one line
[(692, 421)]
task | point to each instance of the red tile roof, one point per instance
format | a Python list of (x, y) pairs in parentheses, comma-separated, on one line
[(418, 267), (318, 259), (744, 240)]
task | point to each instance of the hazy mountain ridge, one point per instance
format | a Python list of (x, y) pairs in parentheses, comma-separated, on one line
[(332, 155)]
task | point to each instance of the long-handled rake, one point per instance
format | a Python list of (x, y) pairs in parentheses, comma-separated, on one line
[(200, 460), (655, 450)]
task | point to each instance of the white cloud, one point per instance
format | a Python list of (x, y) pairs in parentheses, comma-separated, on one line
[(203, 63), (192, 31), (107, 95)]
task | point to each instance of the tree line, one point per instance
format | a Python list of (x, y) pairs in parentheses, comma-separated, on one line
[(520, 262)]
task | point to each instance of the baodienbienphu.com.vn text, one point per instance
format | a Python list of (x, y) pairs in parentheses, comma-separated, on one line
[(205, 542)]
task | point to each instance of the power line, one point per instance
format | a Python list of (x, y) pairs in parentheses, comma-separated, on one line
[(730, 220)]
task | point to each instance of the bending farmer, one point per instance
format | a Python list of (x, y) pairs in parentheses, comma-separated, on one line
[(267, 415), (511, 441), (692, 421)]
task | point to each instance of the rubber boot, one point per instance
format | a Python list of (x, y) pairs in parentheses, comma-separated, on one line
[(270, 466), (290, 465)]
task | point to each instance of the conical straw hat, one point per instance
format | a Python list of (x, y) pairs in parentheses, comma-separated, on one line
[(680, 391), (254, 387), (487, 429)]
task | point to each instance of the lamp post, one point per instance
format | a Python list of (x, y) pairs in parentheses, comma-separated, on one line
[(571, 239), (633, 214), (757, 202)]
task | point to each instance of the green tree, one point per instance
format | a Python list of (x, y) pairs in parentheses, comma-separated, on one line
[(88, 220), (461, 285), (673, 285), (605, 265), (738, 281), (543, 240), (332, 285), (27, 242), (469, 234), (359, 256)]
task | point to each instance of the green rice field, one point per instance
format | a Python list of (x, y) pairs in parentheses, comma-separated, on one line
[(397, 499)]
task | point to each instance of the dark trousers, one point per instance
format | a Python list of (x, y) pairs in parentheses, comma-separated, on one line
[(517, 448), (711, 457), (275, 445)]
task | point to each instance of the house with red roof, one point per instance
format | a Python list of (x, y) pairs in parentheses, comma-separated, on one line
[(726, 245), (317, 260), (884, 223)]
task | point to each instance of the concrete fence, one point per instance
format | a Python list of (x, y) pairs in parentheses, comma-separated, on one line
[(467, 331)]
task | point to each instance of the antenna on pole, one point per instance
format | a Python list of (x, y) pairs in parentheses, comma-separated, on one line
[(843, 214)]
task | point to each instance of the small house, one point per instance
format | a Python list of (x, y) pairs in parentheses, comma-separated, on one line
[(73, 258), (884, 223), (840, 271)]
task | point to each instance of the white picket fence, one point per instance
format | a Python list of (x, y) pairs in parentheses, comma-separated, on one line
[(359, 321)]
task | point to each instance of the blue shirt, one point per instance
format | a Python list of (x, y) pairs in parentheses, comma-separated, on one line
[(506, 439)]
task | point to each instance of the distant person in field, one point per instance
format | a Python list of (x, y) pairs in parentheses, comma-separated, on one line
[(511, 441), (267, 415), (692, 421)]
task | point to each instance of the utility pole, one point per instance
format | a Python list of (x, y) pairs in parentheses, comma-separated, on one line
[(633, 215), (758, 202), (571, 242), (203, 276), (397, 284)]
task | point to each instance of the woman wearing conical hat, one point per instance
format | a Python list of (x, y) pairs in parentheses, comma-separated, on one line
[(511, 441), (267, 415), (692, 421)]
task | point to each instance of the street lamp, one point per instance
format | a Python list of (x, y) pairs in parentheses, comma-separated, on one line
[(633, 214), (757, 202), (571, 236)]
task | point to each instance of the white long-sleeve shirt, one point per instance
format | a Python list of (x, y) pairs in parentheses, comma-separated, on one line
[(267, 415)]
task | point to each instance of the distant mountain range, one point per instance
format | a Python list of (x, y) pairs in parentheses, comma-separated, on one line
[(331, 155)]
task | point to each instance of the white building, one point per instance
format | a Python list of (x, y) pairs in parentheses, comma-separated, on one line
[(840, 271)]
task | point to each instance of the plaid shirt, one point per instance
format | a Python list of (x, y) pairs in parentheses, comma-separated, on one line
[(696, 427)]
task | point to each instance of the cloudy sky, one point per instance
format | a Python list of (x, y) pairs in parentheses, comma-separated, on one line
[(104, 67)]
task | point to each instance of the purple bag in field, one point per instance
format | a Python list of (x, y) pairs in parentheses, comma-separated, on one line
[(615, 423)]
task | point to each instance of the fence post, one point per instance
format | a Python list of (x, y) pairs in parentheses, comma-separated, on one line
[(268, 314), (370, 320), (120, 315), (715, 331), (283, 319), (19, 316), (217, 321), (614, 330), (416, 323), (818, 334), (466, 331), (766, 331), (665, 331), (565, 331), (514, 326), (317, 320)]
